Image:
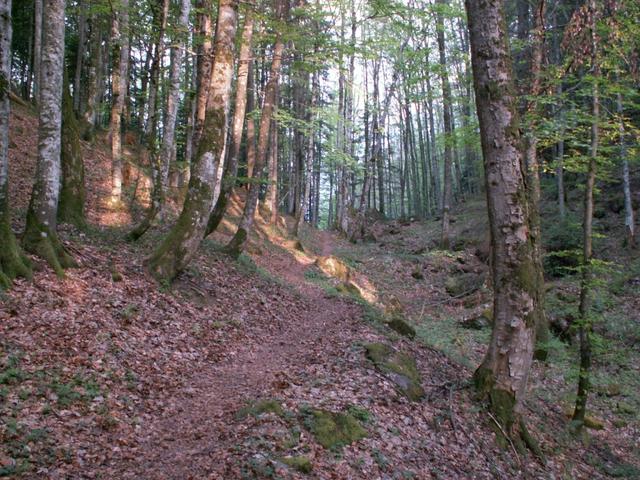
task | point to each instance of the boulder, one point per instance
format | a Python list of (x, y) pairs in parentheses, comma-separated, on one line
[(397, 367)]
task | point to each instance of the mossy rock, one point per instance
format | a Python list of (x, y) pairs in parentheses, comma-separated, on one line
[(348, 288), (260, 407), (399, 325), (484, 320), (334, 267), (398, 367), (465, 284), (300, 463), (417, 273), (334, 430)]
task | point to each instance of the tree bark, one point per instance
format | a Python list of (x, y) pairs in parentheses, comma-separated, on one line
[(448, 129), (237, 125), (120, 72), (171, 108), (586, 287), (503, 374), (72, 189), (12, 262), (80, 54), (238, 242), (40, 237), (629, 221), (182, 242), (37, 47)]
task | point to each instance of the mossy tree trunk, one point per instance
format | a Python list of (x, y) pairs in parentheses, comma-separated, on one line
[(238, 242), (503, 374), (182, 242), (161, 11), (40, 235), (237, 125), (12, 262), (72, 189)]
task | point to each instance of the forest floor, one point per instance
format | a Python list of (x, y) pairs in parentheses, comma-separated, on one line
[(258, 368)]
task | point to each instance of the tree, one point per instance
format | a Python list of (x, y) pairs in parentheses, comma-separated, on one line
[(119, 77), (237, 125), (182, 242), (502, 375), (40, 236), (12, 262), (237, 243)]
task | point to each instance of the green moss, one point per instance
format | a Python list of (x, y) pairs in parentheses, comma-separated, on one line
[(301, 463), (12, 262), (40, 240), (399, 324), (260, 407), (334, 430), (398, 367)]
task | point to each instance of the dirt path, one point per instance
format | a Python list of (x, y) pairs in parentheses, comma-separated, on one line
[(198, 428)]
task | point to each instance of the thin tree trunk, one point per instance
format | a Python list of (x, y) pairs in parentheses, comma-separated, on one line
[(182, 242), (119, 76), (157, 193), (171, 108), (237, 243), (37, 48), (237, 125), (448, 129), (503, 374), (12, 262), (629, 221), (80, 54), (40, 237), (586, 287)]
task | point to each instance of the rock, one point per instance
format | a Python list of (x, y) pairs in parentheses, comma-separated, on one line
[(627, 408), (593, 423), (398, 367), (398, 324), (334, 267), (484, 320), (349, 288)]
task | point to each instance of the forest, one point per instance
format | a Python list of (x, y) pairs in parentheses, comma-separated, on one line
[(383, 239)]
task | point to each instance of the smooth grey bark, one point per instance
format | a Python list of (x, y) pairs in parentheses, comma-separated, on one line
[(502, 376), (119, 77), (37, 47), (40, 235), (171, 107), (80, 54), (237, 125), (629, 220), (12, 261), (182, 242)]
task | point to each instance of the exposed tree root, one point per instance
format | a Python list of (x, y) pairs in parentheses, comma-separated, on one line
[(45, 244), (13, 263)]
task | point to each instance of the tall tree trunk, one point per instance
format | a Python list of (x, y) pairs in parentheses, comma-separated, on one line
[(72, 188), (37, 48), (171, 108), (503, 374), (205, 62), (40, 237), (251, 124), (586, 287), (238, 242), (308, 171), (272, 179), (533, 178), (80, 54), (448, 128), (182, 242), (12, 262), (157, 192), (237, 125), (629, 221), (119, 76), (93, 76)]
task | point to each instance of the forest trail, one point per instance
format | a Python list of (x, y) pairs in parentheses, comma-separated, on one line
[(197, 432)]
